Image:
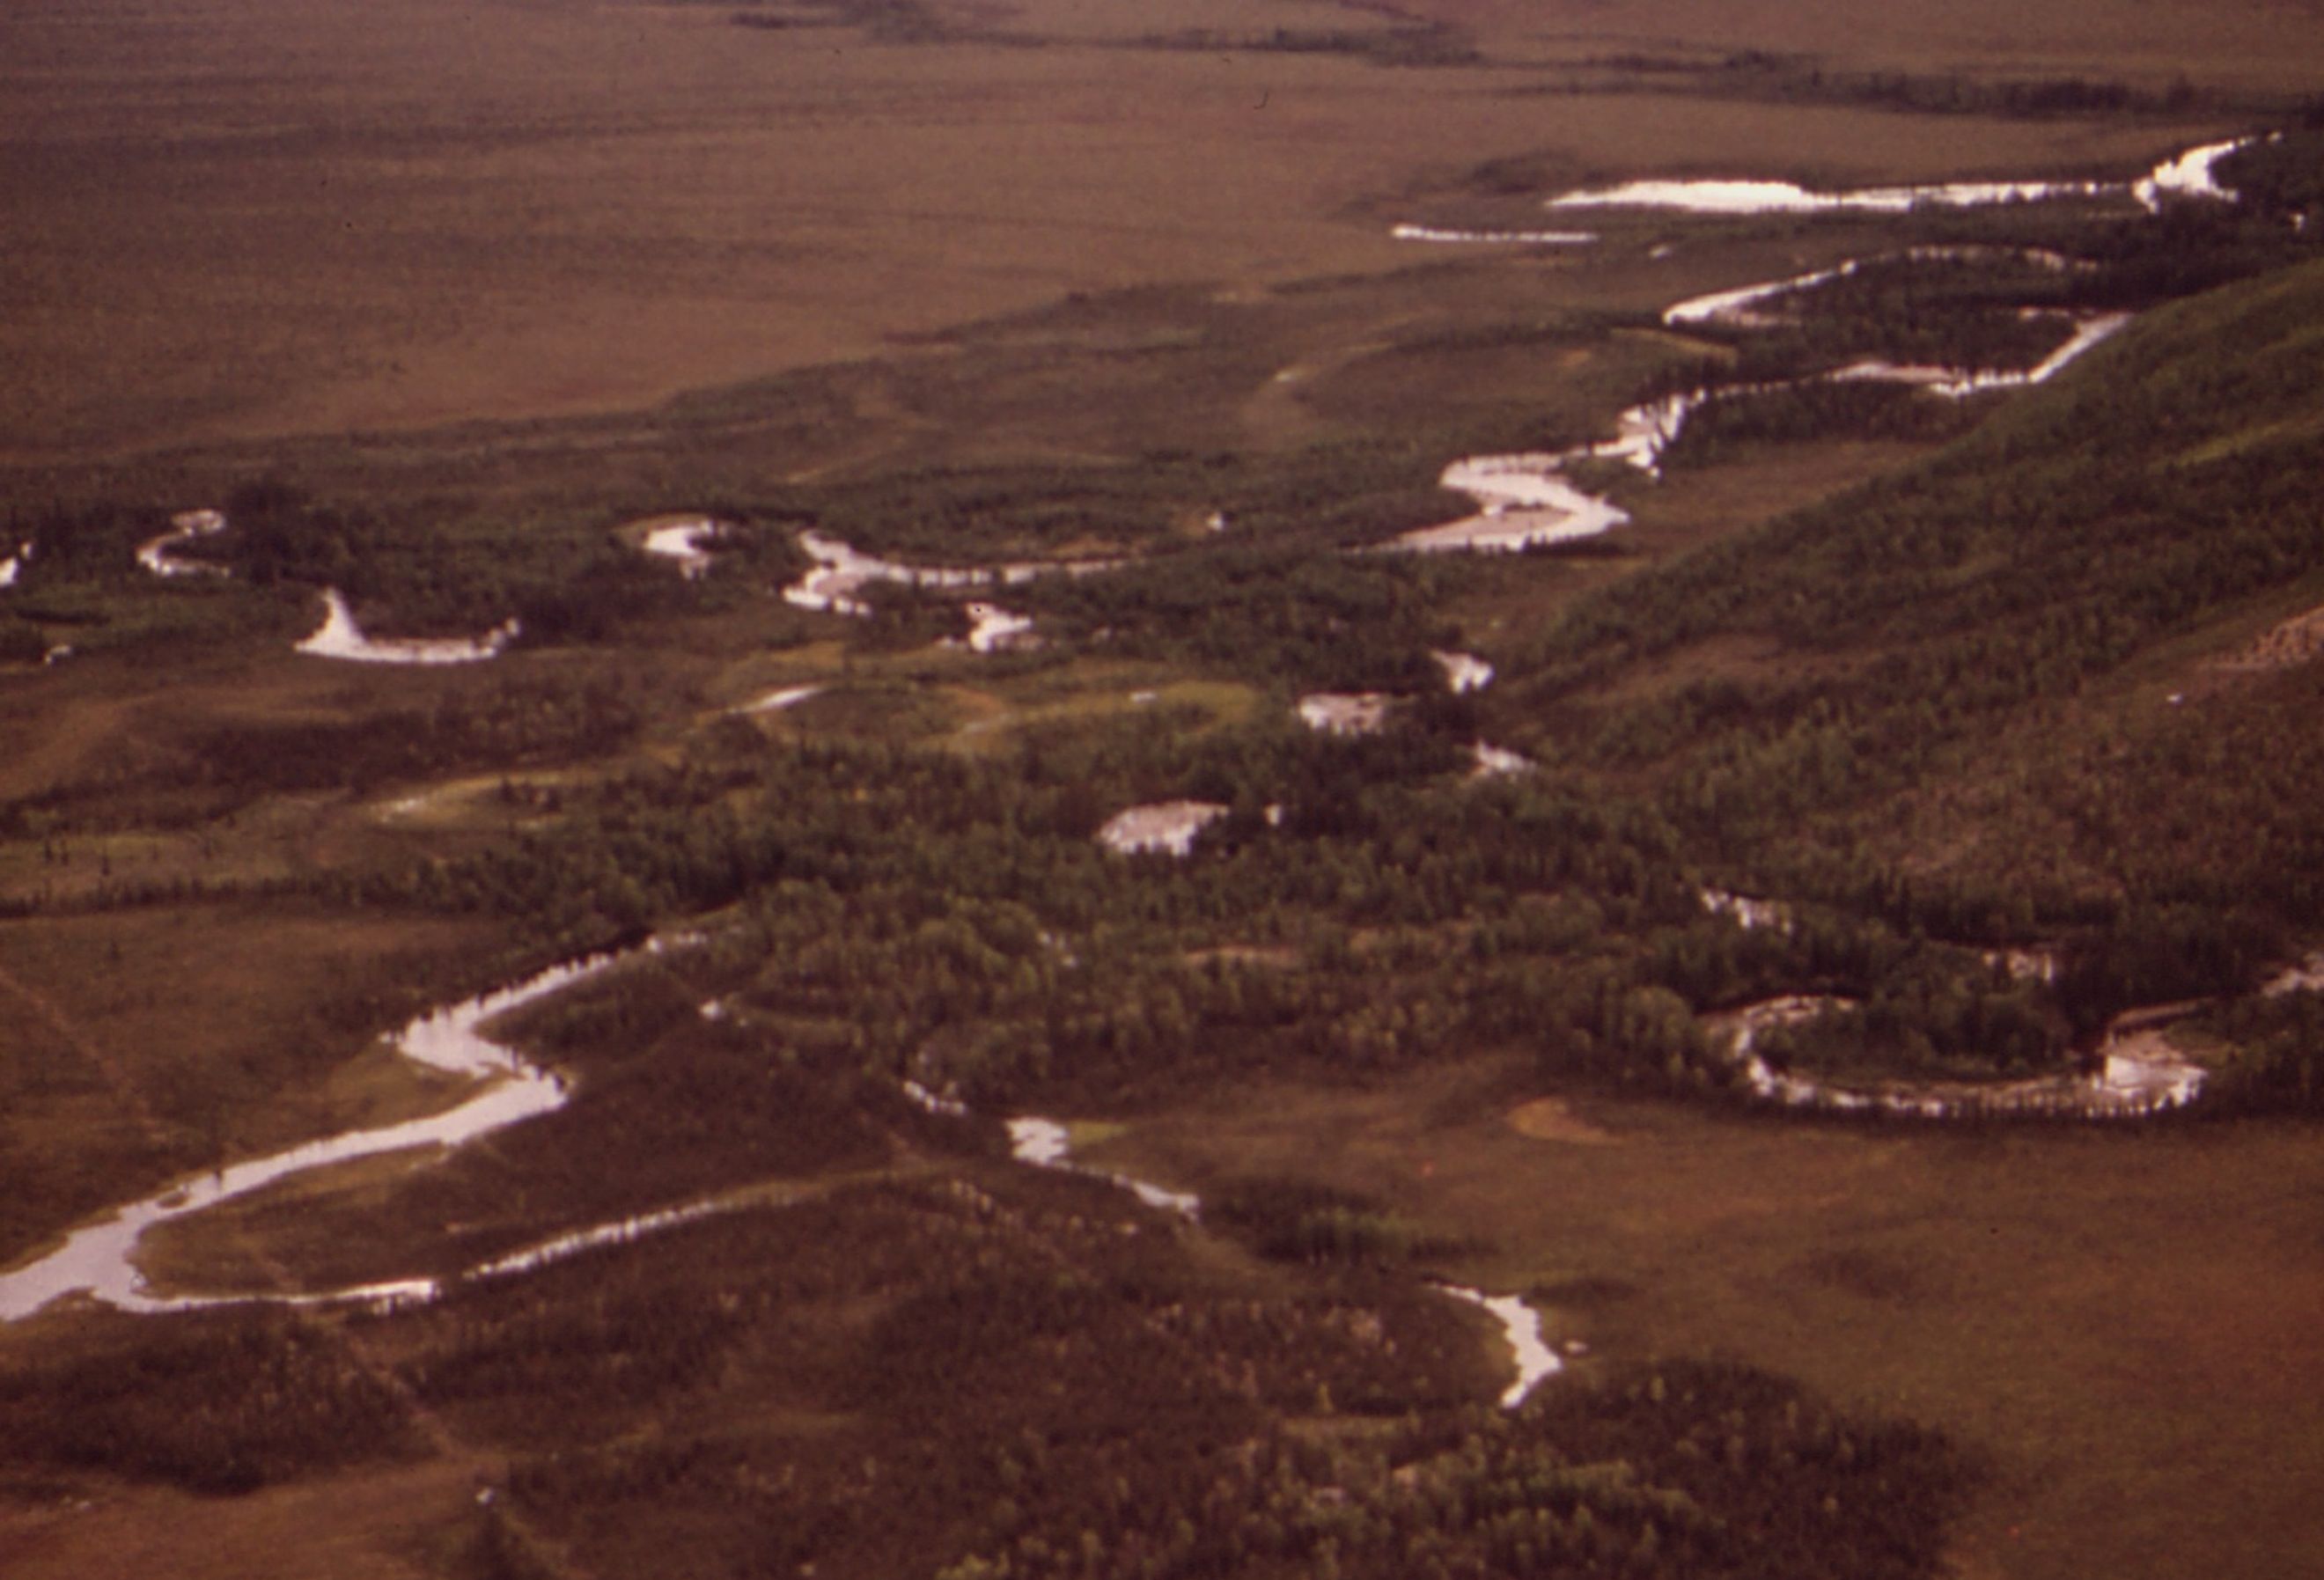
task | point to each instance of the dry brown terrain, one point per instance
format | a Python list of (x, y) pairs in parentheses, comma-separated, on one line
[(2266, 44), (268, 217)]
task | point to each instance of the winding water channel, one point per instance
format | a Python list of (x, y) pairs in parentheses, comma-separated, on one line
[(690, 543), (157, 556), (99, 1259), (1733, 195), (1523, 501), (1530, 238), (339, 637), (836, 581), (2135, 1072), (1521, 1325), (1526, 501), (2190, 174), (1044, 1143)]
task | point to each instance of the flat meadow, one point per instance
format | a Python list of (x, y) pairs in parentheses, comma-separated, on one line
[(241, 219)]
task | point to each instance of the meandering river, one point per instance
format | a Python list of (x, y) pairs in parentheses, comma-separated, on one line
[(1527, 501), (1044, 1143), (1523, 501), (2135, 1072), (98, 1260), (690, 543), (339, 637), (155, 553), (2190, 174), (99, 1257)]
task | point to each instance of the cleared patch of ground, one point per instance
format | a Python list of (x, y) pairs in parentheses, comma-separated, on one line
[(1552, 1119)]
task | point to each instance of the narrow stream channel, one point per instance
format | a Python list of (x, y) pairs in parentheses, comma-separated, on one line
[(2135, 1073), (99, 1259), (1046, 1144), (1523, 501), (339, 637)]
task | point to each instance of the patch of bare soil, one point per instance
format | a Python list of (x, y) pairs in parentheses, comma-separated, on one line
[(1552, 1119)]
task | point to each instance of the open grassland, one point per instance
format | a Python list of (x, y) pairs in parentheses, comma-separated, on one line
[(1055, 703), (271, 219), (2259, 46)]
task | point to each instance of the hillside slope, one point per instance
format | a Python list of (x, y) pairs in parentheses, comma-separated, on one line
[(2104, 532)]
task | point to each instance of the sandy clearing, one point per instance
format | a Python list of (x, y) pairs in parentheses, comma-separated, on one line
[(1552, 1119)]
